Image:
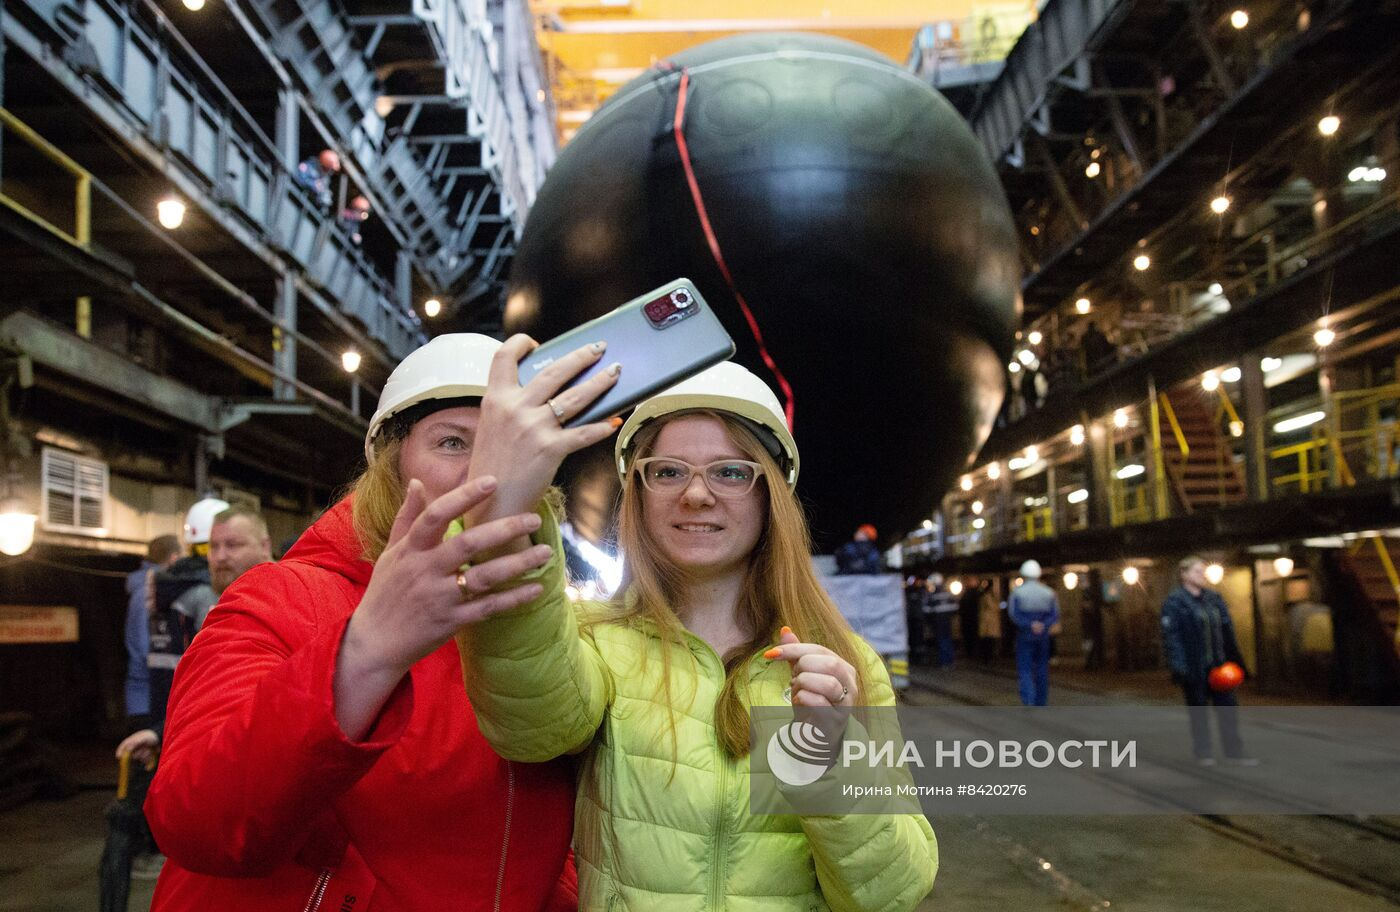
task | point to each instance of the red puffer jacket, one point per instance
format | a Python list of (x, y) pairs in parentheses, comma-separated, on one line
[(261, 803)]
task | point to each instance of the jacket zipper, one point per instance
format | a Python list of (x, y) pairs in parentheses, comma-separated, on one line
[(717, 878), (313, 902), (505, 840)]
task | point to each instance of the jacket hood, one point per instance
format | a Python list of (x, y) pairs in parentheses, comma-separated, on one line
[(331, 543)]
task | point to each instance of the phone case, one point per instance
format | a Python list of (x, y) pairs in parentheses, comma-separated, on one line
[(659, 338)]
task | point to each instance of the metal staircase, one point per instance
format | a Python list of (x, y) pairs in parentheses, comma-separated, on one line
[(1198, 457)]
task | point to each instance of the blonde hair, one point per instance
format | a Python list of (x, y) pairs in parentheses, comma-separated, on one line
[(780, 589), (378, 494)]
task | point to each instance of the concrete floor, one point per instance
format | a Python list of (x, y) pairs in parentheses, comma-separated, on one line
[(49, 851)]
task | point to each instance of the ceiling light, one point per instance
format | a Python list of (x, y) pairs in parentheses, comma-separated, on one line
[(1071, 580), (1131, 575), (1236, 428), (16, 527), (193, 6), (1210, 381), (1079, 495), (350, 360), (994, 471), (928, 524), (1032, 454), (1270, 364), (1329, 125), (1231, 375), (1131, 470), (432, 307), (1014, 367), (1142, 262), (1283, 566), (1214, 574), (955, 587), (979, 523), (1298, 422), (1035, 338), (1092, 170), (1239, 19), (1220, 204), (1082, 305), (1025, 356), (977, 508), (1375, 175), (1324, 337), (1076, 435), (966, 483), (170, 212), (1120, 418), (1216, 288)]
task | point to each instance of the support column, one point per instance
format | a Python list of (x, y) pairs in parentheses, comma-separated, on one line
[(1099, 443), (1156, 468), (284, 341), (403, 279), (1254, 409), (288, 129)]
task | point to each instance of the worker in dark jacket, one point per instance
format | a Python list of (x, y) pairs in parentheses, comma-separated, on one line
[(1197, 636), (860, 554)]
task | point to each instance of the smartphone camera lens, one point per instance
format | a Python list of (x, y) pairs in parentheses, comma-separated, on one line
[(682, 298)]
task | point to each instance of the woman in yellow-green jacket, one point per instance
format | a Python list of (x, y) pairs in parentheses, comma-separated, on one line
[(653, 689)]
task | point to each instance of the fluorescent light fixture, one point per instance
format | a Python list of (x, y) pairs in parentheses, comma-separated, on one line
[(1231, 375), (1298, 422), (1078, 495), (1270, 364), (1025, 356), (1131, 470)]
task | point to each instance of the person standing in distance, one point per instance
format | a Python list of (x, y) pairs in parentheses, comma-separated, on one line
[(1034, 610)]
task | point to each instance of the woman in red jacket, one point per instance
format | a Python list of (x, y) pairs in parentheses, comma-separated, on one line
[(320, 752)]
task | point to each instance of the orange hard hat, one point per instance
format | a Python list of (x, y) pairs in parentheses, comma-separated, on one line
[(329, 160), (869, 531)]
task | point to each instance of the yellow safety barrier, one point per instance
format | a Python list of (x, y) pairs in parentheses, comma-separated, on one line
[(1175, 425), (81, 235), (1039, 523), (1354, 434)]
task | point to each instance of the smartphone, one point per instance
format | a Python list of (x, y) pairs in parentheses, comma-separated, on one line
[(660, 339)]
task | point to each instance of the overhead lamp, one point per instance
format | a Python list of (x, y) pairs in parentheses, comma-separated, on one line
[(1025, 356), (979, 523), (1324, 337), (1231, 375), (955, 587), (1210, 381), (193, 6), (977, 508), (1078, 495), (928, 524), (1131, 470), (1019, 582), (1298, 422), (1375, 175), (1270, 364), (966, 483), (1239, 19), (1032, 454), (1035, 338), (1082, 305), (170, 212), (1076, 435), (994, 471), (1329, 125), (1220, 204), (1236, 428), (432, 307), (1283, 566), (350, 360), (1035, 230), (1214, 574), (1216, 288), (1071, 580), (1092, 170), (1142, 262), (1014, 367), (1120, 418), (1131, 575), (16, 527)]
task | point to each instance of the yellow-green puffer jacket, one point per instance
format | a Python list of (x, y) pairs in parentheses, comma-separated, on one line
[(650, 834)]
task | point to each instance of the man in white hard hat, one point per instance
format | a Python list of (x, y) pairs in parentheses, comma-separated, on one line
[(1034, 610)]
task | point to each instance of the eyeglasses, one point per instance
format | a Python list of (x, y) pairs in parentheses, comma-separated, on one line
[(724, 477)]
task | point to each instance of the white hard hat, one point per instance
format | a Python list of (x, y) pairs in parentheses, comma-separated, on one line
[(725, 387), (199, 520), (448, 367), (1031, 569)]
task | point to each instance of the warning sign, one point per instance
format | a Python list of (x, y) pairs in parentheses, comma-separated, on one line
[(38, 624)]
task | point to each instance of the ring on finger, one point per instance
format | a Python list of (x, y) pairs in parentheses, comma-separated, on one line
[(844, 691), (467, 594), (557, 410)]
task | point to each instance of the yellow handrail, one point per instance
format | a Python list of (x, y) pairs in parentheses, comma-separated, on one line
[(82, 231), (1176, 427), (1227, 405), (1384, 553)]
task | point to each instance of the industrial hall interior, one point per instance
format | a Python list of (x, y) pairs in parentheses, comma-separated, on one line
[(631, 454)]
